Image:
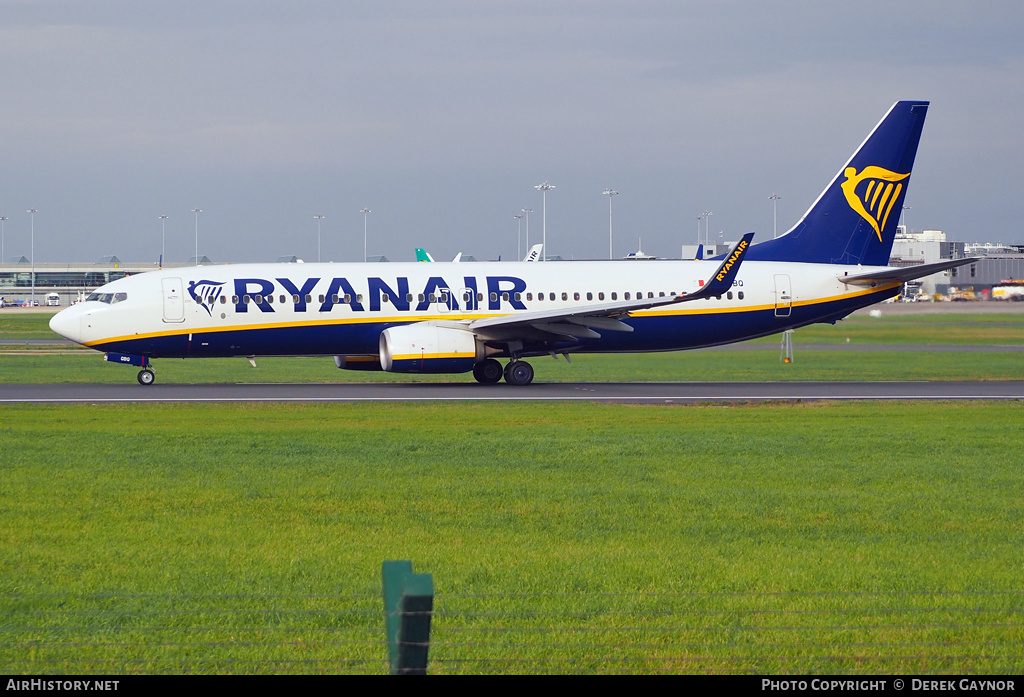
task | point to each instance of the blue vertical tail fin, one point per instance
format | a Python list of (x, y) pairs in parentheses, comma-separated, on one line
[(854, 219)]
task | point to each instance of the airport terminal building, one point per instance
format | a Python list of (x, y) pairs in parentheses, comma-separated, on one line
[(996, 265), (68, 281)]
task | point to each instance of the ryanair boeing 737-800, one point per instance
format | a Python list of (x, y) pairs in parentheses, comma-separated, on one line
[(446, 317)]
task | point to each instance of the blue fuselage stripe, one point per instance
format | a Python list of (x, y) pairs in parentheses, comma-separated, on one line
[(665, 332)]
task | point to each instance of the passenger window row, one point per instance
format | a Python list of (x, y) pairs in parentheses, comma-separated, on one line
[(430, 297)]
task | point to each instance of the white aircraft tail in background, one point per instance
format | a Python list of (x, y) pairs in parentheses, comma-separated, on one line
[(534, 253)]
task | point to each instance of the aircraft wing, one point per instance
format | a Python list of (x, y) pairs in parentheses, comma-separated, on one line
[(903, 274), (580, 322)]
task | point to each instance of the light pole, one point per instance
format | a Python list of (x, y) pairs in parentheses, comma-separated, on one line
[(366, 213), (707, 221), (519, 237), (775, 218), (699, 218), (318, 218), (544, 189), (906, 230), (163, 239), (527, 211), (197, 211), (32, 212), (3, 219), (609, 192)]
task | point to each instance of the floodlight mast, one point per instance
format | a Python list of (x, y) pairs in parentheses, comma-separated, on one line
[(366, 212), (318, 218), (32, 213), (544, 189), (163, 240), (197, 211), (519, 237), (3, 219), (609, 192), (775, 217)]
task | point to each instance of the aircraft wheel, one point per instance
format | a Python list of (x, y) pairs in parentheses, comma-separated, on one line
[(146, 377), (518, 373), (487, 372)]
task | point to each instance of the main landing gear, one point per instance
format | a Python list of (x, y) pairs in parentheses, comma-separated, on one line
[(516, 372), (146, 377), (487, 371)]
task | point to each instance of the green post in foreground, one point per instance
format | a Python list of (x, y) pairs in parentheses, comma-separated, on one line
[(408, 605)]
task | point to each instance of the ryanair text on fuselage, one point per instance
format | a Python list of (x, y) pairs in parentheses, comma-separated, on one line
[(341, 291)]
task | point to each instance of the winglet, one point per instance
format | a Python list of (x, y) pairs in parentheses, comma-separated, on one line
[(423, 255), (722, 279)]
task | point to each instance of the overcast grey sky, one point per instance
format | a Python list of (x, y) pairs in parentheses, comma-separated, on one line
[(441, 116)]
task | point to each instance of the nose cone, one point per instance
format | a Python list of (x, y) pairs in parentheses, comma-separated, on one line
[(68, 324)]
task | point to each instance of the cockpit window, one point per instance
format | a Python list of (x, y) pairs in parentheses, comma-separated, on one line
[(108, 298)]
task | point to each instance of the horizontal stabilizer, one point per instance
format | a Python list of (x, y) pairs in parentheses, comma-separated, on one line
[(903, 274)]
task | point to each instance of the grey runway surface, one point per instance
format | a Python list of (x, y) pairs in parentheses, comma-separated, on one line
[(656, 393)]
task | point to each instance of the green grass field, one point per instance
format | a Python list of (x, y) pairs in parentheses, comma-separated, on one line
[(826, 538)]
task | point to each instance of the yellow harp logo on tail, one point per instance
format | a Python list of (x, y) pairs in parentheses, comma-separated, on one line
[(874, 201)]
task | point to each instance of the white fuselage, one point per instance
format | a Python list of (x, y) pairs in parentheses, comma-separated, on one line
[(341, 309)]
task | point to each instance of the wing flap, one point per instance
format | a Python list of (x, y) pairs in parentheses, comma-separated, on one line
[(573, 330), (608, 324)]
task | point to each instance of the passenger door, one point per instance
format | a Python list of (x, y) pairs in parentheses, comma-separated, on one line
[(783, 295), (174, 300)]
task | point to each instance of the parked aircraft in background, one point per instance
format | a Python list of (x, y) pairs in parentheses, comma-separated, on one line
[(445, 317), (532, 255)]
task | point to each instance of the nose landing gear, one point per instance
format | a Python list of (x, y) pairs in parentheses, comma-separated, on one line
[(146, 375)]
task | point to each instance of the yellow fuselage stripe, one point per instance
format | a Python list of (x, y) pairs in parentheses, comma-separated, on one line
[(714, 308)]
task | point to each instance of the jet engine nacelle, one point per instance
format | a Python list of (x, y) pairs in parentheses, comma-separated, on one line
[(428, 348)]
